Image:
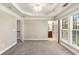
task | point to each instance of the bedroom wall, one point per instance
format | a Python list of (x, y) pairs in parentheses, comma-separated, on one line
[(36, 29), (8, 35)]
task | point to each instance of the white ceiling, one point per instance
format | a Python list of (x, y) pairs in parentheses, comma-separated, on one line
[(26, 9)]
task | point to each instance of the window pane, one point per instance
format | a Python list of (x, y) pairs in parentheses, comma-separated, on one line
[(78, 21), (74, 37), (65, 34), (74, 22), (65, 23), (62, 34), (78, 38)]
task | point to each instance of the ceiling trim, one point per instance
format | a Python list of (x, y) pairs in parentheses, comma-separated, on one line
[(8, 11), (37, 18), (54, 7), (24, 12), (58, 13), (69, 11)]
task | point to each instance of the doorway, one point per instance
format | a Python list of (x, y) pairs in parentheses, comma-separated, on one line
[(50, 30), (53, 30), (18, 31)]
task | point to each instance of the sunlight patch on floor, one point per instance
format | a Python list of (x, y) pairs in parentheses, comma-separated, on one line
[(51, 39)]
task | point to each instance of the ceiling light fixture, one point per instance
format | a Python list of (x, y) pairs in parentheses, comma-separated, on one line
[(37, 7)]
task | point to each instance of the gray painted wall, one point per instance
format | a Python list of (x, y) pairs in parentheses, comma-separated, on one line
[(35, 29), (8, 33)]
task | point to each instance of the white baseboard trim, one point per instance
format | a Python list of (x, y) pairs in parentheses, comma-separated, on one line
[(36, 39), (8, 48)]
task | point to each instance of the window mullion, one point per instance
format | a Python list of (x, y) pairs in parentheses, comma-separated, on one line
[(70, 29)]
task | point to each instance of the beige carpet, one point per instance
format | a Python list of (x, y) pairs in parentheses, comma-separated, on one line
[(38, 47)]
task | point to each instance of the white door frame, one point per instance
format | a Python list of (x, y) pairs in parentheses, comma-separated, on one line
[(21, 29)]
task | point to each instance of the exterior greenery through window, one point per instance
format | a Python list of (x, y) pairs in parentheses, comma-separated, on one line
[(65, 28), (75, 30)]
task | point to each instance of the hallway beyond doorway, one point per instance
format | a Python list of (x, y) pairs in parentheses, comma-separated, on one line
[(38, 47)]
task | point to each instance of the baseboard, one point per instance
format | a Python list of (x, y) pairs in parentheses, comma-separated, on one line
[(8, 48), (70, 48)]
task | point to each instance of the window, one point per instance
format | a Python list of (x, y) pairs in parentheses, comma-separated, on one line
[(75, 30), (70, 30), (65, 23), (77, 38), (65, 28), (74, 22), (74, 37), (65, 34)]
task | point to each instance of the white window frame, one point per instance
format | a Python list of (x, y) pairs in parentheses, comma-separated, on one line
[(70, 28)]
